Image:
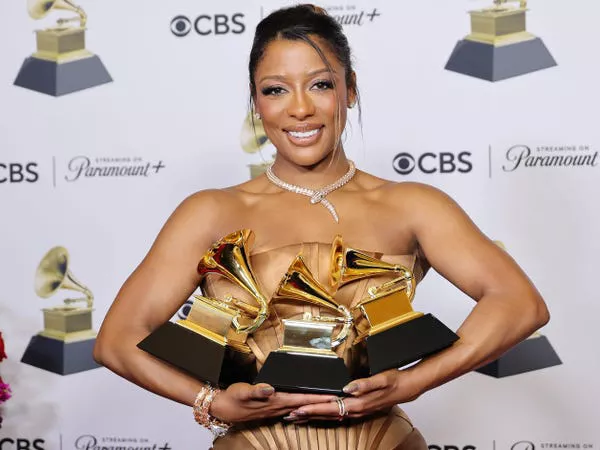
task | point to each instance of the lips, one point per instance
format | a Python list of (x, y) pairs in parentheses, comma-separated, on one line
[(304, 136)]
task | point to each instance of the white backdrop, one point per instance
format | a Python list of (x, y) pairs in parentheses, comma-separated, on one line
[(180, 102)]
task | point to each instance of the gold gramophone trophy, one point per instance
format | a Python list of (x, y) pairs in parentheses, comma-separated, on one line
[(306, 362), (210, 343), (253, 138), (389, 331), (499, 45), (66, 344), (61, 64), (534, 353)]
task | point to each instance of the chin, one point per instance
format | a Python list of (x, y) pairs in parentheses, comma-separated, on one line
[(306, 158)]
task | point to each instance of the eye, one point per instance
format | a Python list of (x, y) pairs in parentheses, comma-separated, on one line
[(181, 26), (323, 85), (272, 90)]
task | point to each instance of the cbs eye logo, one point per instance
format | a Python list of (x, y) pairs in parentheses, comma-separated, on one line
[(206, 24), (185, 309), (442, 162)]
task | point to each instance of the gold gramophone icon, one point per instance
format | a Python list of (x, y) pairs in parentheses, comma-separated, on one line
[(210, 343), (499, 45), (61, 64), (253, 138), (534, 353), (306, 361), (66, 344), (388, 329)]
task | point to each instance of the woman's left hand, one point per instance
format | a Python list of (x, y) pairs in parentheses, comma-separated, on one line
[(367, 395)]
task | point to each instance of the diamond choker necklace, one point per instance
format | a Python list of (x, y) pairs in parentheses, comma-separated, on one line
[(316, 195)]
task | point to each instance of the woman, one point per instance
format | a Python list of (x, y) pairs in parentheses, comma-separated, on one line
[(301, 83)]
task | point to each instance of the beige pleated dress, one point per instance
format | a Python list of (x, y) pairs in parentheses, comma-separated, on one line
[(390, 429)]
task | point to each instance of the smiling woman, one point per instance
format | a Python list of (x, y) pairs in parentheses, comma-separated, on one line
[(301, 86)]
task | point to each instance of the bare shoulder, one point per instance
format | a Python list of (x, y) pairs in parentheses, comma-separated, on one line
[(403, 193), (205, 214), (420, 204)]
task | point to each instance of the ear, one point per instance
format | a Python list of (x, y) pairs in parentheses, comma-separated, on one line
[(352, 93)]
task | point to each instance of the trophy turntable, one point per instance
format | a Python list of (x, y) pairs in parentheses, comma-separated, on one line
[(61, 64)]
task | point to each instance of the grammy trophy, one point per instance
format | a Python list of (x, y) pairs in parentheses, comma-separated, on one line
[(61, 64), (306, 362), (210, 344), (499, 45), (394, 335), (66, 344)]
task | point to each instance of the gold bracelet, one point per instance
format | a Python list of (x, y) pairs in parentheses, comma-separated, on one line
[(201, 411)]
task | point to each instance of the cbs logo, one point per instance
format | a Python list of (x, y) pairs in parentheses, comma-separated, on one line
[(451, 447), (206, 24), (443, 162), (18, 173), (21, 444)]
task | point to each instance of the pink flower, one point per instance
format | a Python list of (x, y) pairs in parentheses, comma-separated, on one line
[(4, 391), (2, 353)]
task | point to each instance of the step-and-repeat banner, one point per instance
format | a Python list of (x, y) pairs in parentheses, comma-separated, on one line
[(104, 130)]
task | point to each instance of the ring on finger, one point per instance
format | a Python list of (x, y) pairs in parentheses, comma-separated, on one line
[(343, 411)]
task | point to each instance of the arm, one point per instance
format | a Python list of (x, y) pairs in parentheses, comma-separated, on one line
[(152, 295), (508, 309)]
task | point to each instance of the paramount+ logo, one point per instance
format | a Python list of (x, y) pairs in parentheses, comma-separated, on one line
[(429, 163), (208, 24)]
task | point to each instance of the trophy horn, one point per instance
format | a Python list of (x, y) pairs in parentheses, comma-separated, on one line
[(349, 264), (39, 9), (229, 258), (299, 284), (53, 274)]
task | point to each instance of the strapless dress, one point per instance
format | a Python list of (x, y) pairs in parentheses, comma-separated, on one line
[(389, 429)]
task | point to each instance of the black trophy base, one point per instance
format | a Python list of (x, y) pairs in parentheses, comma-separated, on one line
[(407, 343), (63, 358), (491, 63), (199, 356), (531, 354), (293, 372), (56, 79)]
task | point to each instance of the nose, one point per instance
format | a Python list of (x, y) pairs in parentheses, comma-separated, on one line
[(301, 106)]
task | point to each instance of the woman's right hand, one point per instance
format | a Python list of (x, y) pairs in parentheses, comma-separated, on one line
[(242, 402)]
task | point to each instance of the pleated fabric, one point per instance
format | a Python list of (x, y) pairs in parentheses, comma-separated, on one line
[(386, 430)]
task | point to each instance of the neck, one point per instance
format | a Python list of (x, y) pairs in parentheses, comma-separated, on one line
[(315, 176)]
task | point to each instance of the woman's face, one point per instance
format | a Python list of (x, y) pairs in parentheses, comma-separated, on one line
[(296, 100)]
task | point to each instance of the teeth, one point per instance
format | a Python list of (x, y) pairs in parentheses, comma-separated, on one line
[(303, 134)]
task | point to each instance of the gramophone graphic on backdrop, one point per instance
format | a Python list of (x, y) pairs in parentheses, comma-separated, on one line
[(61, 65), (253, 139), (66, 344), (499, 45)]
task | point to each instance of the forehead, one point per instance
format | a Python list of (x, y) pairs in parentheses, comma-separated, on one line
[(294, 57)]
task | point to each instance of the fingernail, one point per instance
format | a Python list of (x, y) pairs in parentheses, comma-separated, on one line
[(299, 413), (290, 417), (350, 388), (267, 390)]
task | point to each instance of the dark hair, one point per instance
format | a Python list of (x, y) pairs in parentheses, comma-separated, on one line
[(300, 23)]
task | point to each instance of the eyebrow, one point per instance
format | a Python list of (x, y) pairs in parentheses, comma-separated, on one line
[(309, 75)]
